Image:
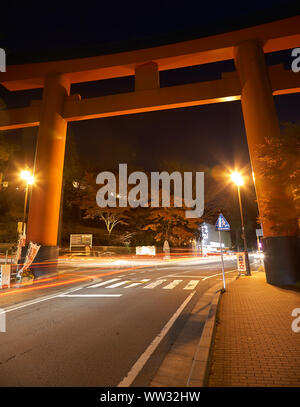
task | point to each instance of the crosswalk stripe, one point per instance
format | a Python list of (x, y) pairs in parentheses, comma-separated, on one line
[(155, 284), (139, 283), (103, 283), (118, 284), (191, 285), (173, 284)]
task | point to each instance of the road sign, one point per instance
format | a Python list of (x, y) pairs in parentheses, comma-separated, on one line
[(259, 232), (222, 223)]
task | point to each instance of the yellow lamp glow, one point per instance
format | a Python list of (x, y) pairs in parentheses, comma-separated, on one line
[(237, 178), (27, 176)]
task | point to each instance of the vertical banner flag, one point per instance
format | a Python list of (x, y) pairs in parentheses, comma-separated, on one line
[(30, 256), (21, 243)]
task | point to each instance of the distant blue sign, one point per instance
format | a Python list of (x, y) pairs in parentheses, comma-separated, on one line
[(222, 223)]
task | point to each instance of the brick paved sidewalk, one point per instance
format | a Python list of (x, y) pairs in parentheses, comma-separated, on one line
[(254, 343)]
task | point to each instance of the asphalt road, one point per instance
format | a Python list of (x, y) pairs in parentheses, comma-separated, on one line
[(112, 331)]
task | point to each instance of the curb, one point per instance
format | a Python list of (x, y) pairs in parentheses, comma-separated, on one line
[(201, 363), (200, 366), (187, 362)]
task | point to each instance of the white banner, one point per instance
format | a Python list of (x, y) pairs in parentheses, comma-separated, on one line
[(241, 261), (5, 271)]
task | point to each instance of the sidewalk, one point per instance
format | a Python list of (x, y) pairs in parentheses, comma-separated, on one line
[(254, 342)]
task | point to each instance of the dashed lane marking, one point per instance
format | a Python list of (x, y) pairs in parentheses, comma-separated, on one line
[(155, 284), (137, 283), (103, 283), (172, 285), (191, 285), (118, 284)]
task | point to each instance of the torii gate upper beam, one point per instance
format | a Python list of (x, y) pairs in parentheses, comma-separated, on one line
[(274, 36)]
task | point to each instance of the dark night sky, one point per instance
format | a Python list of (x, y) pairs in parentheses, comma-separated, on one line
[(210, 135)]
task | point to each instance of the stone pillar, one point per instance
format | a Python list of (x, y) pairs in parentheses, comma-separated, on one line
[(44, 207), (280, 226)]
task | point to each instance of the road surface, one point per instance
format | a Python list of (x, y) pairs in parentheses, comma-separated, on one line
[(113, 330)]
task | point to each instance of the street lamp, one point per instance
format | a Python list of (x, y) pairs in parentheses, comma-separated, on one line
[(29, 179), (237, 179)]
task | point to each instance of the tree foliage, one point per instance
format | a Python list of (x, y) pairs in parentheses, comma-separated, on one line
[(86, 199), (279, 159)]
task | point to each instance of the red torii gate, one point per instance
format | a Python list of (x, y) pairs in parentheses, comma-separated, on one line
[(254, 84)]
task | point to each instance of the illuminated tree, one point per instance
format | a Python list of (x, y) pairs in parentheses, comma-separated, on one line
[(86, 199), (280, 162)]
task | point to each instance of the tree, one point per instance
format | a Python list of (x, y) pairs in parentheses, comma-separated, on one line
[(171, 224), (86, 199), (6, 151), (279, 159)]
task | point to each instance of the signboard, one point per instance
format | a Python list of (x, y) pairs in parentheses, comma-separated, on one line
[(222, 223), (5, 276), (145, 250), (241, 261), (81, 240), (259, 232)]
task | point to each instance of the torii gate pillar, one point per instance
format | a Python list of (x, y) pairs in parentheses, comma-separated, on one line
[(44, 207), (281, 230)]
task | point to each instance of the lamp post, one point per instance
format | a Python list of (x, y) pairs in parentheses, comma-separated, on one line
[(238, 181), (29, 179)]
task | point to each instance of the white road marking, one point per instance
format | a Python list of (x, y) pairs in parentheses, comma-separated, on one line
[(103, 283), (172, 285), (27, 304), (90, 295), (140, 363), (155, 284), (185, 276), (214, 275), (118, 284), (139, 283), (191, 285), (5, 311)]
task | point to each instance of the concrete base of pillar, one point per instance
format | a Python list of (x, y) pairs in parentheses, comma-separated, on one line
[(45, 262), (282, 260)]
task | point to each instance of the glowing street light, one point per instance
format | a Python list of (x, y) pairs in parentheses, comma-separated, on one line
[(238, 180), (29, 179)]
